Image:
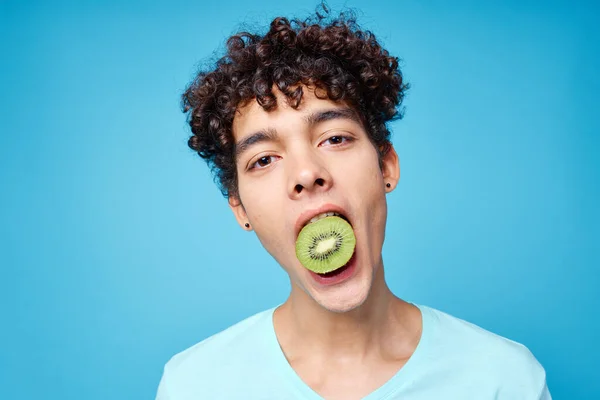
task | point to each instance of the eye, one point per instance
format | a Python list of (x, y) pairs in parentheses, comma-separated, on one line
[(336, 140), (262, 162)]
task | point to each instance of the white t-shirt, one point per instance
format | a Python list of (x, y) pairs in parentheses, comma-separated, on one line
[(453, 360)]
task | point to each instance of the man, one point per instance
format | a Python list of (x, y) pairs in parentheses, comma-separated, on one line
[(294, 123)]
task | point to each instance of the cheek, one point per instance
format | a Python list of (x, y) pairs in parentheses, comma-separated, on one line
[(364, 172), (262, 213), (258, 196), (367, 192), (265, 212)]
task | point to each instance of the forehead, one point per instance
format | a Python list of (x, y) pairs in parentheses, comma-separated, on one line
[(252, 116)]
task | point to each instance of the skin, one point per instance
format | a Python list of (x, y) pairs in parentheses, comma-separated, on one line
[(345, 340)]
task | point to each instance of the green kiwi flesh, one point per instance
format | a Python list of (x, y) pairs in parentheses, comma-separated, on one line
[(325, 245)]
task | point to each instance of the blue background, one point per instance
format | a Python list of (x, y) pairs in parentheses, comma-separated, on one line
[(117, 250)]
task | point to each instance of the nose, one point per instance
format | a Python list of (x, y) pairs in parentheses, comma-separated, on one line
[(308, 176)]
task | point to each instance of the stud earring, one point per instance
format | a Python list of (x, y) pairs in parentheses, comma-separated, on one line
[(389, 185), (247, 225)]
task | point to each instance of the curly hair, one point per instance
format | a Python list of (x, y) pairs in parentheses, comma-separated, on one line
[(330, 54)]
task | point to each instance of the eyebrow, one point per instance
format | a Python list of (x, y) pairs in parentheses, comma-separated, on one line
[(328, 115), (267, 135), (270, 134)]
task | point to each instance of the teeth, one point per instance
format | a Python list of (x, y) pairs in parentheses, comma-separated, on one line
[(323, 215)]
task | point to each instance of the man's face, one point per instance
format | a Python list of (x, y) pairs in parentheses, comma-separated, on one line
[(294, 164)]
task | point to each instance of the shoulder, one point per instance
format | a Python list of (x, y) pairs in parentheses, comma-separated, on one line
[(226, 353), (505, 364), (235, 337)]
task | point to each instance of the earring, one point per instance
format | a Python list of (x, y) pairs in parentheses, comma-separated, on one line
[(389, 185), (247, 225)]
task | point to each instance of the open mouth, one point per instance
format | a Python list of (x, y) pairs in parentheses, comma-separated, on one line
[(325, 215), (326, 245), (338, 276)]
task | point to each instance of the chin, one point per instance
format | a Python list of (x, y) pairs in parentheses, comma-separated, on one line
[(344, 298)]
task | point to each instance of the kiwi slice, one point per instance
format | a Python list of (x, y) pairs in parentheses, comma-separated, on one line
[(325, 245)]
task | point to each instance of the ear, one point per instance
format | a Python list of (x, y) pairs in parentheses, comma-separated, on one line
[(238, 211), (390, 168)]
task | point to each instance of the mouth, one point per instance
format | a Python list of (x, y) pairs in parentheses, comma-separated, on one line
[(342, 272), (337, 276), (310, 216)]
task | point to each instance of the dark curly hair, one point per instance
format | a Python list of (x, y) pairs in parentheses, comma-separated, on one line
[(331, 54)]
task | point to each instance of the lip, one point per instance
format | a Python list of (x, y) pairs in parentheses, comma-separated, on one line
[(307, 215), (349, 271)]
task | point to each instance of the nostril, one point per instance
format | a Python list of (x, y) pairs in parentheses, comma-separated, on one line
[(298, 188), (320, 182)]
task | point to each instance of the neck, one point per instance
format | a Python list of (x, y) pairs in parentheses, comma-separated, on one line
[(375, 327)]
